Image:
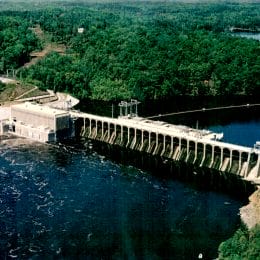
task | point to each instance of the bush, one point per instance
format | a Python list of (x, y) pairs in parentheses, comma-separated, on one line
[(243, 245)]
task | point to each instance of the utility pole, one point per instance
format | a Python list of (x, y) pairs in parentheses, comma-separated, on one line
[(112, 110), (12, 71)]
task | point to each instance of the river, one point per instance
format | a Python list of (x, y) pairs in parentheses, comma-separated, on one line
[(249, 35), (68, 201)]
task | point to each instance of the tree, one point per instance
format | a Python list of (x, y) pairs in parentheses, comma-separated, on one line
[(243, 245)]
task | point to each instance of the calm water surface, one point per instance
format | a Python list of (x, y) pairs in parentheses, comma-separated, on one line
[(255, 36), (66, 202)]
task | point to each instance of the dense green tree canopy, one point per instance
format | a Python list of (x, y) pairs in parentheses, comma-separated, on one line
[(142, 50), (16, 42), (243, 245)]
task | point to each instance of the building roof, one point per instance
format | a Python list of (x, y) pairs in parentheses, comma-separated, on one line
[(40, 109), (4, 113)]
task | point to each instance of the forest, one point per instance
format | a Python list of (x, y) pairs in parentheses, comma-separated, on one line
[(144, 50)]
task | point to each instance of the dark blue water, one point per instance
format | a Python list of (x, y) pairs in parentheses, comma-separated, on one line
[(68, 202), (240, 133)]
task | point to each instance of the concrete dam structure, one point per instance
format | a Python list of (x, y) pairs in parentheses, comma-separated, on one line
[(178, 143), (201, 148)]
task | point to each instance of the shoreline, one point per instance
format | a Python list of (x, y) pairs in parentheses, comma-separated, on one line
[(250, 213)]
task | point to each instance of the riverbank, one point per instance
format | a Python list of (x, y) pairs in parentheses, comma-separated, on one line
[(244, 244), (250, 214)]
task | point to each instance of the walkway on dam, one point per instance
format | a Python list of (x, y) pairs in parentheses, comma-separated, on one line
[(167, 129)]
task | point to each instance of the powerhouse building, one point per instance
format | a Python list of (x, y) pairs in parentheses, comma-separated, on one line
[(41, 123)]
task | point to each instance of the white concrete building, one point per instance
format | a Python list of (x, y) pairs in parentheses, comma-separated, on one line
[(40, 122)]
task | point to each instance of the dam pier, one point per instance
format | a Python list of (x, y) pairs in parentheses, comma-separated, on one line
[(202, 148)]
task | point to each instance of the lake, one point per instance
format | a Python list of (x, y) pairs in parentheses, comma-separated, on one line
[(249, 35)]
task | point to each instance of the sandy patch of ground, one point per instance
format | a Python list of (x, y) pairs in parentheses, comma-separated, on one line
[(48, 46), (250, 214)]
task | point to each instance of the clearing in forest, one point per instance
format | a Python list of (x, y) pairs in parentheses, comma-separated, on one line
[(48, 46)]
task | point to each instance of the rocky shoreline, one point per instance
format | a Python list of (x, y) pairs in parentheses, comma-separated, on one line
[(250, 214)]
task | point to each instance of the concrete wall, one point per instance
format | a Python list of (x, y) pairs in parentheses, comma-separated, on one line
[(4, 126), (37, 134), (62, 122)]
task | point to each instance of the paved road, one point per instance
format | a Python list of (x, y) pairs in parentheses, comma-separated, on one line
[(65, 101), (6, 80)]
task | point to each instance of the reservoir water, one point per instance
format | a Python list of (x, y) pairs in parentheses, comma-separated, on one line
[(68, 202), (249, 35)]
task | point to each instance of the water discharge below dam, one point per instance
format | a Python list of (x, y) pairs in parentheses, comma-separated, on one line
[(73, 202)]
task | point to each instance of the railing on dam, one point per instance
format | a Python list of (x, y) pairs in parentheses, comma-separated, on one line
[(179, 143)]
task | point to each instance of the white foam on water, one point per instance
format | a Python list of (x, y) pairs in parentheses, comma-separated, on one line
[(50, 212), (37, 223), (13, 256), (8, 210), (3, 153), (2, 172), (14, 250), (50, 203), (34, 249), (21, 164), (50, 195), (77, 210), (157, 187), (42, 185), (36, 195), (22, 175), (15, 192)]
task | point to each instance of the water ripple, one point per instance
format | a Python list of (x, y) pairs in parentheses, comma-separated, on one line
[(57, 201)]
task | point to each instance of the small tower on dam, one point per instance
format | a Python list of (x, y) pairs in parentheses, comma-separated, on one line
[(128, 109), (41, 123)]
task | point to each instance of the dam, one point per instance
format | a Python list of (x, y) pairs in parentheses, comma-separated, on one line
[(178, 143), (174, 142)]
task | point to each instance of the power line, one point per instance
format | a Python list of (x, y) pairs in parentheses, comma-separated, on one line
[(202, 110)]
